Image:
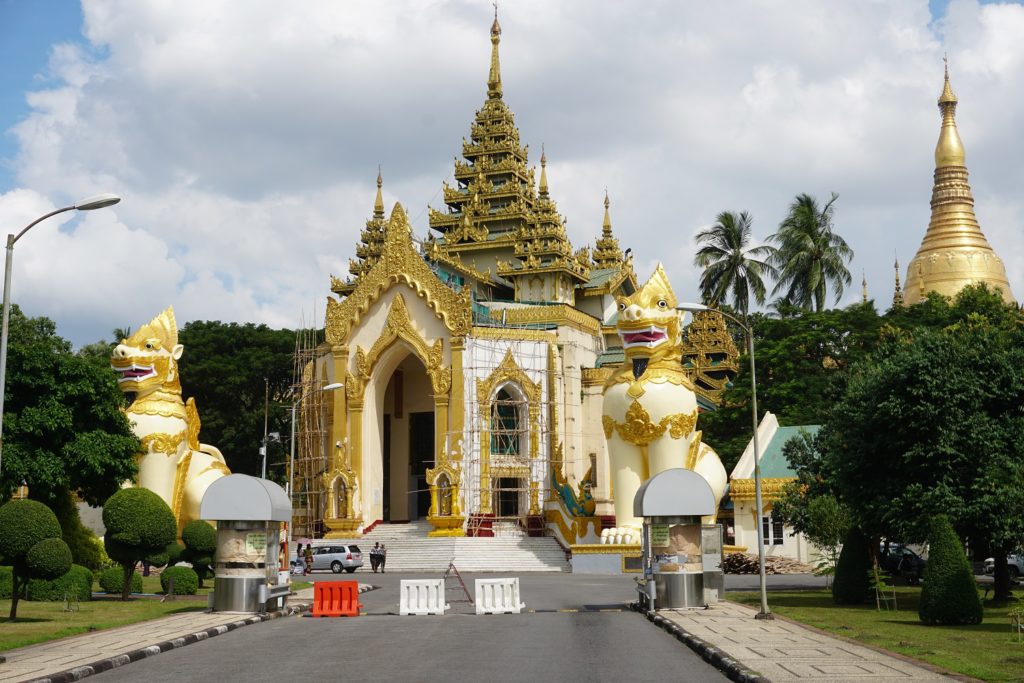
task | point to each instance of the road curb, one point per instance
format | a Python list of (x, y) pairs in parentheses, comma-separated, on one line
[(109, 663), (708, 652)]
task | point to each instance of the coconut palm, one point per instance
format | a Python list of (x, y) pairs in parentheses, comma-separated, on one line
[(730, 264), (810, 256)]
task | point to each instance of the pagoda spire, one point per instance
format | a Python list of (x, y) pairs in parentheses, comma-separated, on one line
[(494, 77), (543, 188), (897, 295), (864, 286), (370, 246), (954, 252), (378, 204), (607, 253)]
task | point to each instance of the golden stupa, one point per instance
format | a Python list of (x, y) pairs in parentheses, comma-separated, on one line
[(954, 252)]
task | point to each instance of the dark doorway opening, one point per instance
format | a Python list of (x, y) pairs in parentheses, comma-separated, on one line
[(508, 496), (421, 457)]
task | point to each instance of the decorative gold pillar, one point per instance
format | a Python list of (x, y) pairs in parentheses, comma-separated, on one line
[(485, 457), (458, 399), (339, 423), (355, 430), (440, 429)]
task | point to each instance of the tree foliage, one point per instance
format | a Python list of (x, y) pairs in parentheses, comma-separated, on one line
[(811, 256), (731, 264), (63, 427), (200, 541), (139, 526), (227, 368), (852, 583)]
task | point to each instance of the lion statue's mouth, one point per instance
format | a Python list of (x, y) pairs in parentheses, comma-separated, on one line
[(648, 337), (134, 372)]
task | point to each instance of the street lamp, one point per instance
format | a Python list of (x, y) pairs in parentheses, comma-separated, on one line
[(291, 457), (98, 202), (765, 613)]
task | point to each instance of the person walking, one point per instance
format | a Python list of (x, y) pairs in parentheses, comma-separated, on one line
[(375, 556), (309, 559), (383, 557), (299, 559)]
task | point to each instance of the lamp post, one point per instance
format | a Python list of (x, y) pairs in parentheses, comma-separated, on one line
[(291, 457), (97, 202), (765, 613)]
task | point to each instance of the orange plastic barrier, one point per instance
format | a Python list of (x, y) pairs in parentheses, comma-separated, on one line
[(336, 599)]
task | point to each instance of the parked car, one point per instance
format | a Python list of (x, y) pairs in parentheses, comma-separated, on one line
[(901, 561), (337, 557), (1015, 564)]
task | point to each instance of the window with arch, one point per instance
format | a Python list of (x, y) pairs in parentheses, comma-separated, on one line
[(508, 423)]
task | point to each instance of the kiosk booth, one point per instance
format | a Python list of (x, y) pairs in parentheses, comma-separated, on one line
[(247, 571), (671, 504)]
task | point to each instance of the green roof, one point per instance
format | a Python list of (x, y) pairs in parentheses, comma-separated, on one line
[(600, 276), (773, 462), (611, 356)]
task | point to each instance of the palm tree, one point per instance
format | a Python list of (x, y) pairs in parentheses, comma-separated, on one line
[(121, 333), (731, 264), (810, 255)]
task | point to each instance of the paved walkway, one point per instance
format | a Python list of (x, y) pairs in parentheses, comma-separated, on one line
[(117, 646), (780, 650)]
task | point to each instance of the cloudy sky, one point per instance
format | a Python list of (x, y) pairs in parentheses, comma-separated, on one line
[(245, 136)]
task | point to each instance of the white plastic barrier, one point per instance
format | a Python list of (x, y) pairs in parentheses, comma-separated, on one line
[(498, 596), (422, 596)]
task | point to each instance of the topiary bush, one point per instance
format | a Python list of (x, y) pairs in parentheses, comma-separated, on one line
[(186, 581), (852, 583), (112, 581), (5, 583), (200, 540), (950, 594), (139, 526), (76, 583), (30, 541)]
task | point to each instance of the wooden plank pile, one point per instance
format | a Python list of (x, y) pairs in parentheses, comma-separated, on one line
[(743, 563)]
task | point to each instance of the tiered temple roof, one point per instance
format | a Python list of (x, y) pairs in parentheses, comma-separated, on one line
[(371, 240)]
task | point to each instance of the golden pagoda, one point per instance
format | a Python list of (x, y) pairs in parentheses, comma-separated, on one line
[(371, 241), (954, 252)]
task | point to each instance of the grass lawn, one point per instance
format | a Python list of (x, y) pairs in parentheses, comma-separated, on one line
[(987, 651)]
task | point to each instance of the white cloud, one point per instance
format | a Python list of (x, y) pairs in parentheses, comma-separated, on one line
[(245, 138)]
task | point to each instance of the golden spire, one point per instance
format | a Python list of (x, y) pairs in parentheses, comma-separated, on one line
[(543, 189), (378, 204), (954, 252), (606, 227), (494, 78), (864, 286), (897, 295), (607, 253)]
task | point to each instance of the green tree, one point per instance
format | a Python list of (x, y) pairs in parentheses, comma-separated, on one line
[(200, 541), (63, 427), (139, 525), (30, 542), (227, 368), (731, 264), (852, 583), (811, 256), (949, 595)]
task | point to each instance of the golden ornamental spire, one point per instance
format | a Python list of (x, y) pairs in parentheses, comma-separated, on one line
[(897, 295), (954, 252), (864, 286), (378, 204), (606, 226), (607, 253), (543, 189), (494, 78)]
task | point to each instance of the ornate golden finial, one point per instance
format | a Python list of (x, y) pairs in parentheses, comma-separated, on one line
[(864, 286), (897, 295), (606, 227), (950, 150), (378, 204), (494, 78), (543, 172)]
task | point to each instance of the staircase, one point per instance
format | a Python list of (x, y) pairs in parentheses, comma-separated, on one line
[(410, 550)]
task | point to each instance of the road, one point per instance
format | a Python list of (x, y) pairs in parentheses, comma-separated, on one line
[(601, 641)]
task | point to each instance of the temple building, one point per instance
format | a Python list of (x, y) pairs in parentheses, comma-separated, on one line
[(954, 252), (473, 359)]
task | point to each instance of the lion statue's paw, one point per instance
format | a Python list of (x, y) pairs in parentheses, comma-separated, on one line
[(622, 535)]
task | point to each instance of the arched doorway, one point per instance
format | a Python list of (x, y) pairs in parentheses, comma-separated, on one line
[(407, 441)]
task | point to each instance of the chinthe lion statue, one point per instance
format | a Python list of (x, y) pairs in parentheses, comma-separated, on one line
[(650, 409), (172, 462)]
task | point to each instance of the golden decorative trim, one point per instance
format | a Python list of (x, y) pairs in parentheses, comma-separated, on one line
[(640, 431), (569, 532), (593, 377), (512, 333), (399, 263), (163, 443), (558, 314), (609, 549), (771, 488), (510, 471), (507, 371)]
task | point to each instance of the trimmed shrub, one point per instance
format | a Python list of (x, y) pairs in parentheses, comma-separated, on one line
[(23, 523), (950, 594), (5, 583), (76, 583), (112, 581), (186, 582), (200, 540), (852, 583), (139, 525), (174, 552), (49, 559)]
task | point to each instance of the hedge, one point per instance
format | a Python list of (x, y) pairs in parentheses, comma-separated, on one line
[(76, 583), (949, 594), (186, 581), (112, 581)]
